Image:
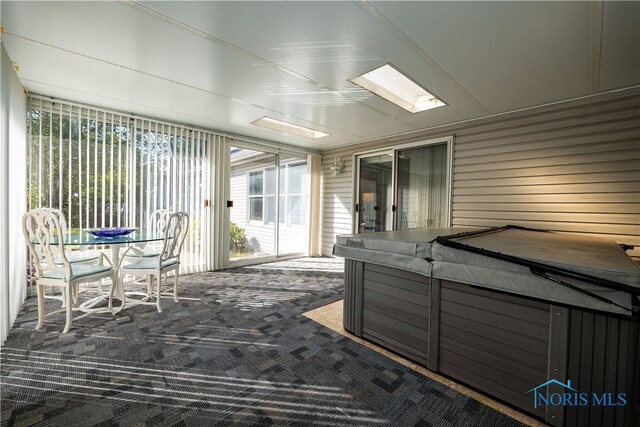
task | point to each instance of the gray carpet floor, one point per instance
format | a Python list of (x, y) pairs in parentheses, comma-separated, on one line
[(236, 350)]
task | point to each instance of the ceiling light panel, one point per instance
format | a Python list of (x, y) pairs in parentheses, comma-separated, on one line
[(268, 122), (392, 85)]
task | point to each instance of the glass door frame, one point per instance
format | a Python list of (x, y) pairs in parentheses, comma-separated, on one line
[(276, 256), (448, 140), (394, 150), (355, 217)]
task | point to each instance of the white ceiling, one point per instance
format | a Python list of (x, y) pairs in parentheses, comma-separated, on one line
[(222, 65)]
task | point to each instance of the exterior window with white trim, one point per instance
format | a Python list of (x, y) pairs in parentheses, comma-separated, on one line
[(293, 195), (256, 195)]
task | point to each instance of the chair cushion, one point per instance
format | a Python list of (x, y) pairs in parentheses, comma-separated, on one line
[(149, 263), (72, 258), (78, 270), (149, 254)]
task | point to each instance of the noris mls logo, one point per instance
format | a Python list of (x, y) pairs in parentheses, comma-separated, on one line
[(569, 396)]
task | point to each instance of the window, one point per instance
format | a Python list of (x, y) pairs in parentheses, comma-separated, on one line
[(256, 189), (404, 187), (292, 208), (104, 169), (297, 194), (270, 195)]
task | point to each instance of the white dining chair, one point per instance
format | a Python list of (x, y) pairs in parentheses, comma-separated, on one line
[(168, 260), (42, 229), (81, 256), (155, 225)]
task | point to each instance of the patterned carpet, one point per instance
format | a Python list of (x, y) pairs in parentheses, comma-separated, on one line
[(235, 351)]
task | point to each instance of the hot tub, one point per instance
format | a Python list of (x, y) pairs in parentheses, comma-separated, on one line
[(505, 310)]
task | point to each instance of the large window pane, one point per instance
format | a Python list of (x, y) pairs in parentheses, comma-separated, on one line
[(422, 187), (255, 208), (282, 210), (298, 179), (253, 215), (106, 170), (255, 183), (375, 193), (270, 182), (271, 208), (297, 210), (294, 188)]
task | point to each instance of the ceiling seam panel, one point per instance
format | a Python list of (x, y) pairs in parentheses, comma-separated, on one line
[(376, 14), (261, 107), (103, 97), (159, 15)]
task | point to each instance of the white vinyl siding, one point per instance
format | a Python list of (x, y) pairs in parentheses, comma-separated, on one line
[(336, 199), (571, 167)]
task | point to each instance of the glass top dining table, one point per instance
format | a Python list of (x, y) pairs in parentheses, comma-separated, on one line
[(83, 238), (115, 244)]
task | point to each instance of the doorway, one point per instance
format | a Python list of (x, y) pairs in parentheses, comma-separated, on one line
[(267, 204), (404, 187), (375, 193)]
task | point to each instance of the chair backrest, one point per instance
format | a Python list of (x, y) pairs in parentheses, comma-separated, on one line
[(158, 220), (61, 218), (42, 228), (175, 232)]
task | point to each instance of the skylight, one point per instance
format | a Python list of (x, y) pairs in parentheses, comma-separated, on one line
[(268, 122), (392, 85)]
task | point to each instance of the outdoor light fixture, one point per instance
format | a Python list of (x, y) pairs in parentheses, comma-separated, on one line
[(337, 167), (392, 85), (268, 122)]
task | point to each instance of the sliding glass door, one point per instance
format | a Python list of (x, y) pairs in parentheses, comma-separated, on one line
[(252, 227), (375, 193), (293, 204), (421, 187), (404, 187), (267, 205)]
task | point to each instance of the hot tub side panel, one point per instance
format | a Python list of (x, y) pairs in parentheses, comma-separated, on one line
[(396, 310), (352, 303), (506, 346), (494, 342), (602, 358)]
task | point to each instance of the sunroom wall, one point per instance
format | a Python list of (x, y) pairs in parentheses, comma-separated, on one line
[(571, 167), (12, 197)]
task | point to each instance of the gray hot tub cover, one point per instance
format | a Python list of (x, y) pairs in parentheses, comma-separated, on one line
[(404, 249), (416, 250), (587, 271)]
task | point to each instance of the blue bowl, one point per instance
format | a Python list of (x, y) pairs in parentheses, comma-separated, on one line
[(110, 231)]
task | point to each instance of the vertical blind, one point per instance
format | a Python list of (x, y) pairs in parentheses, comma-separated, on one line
[(105, 169), (13, 256)]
